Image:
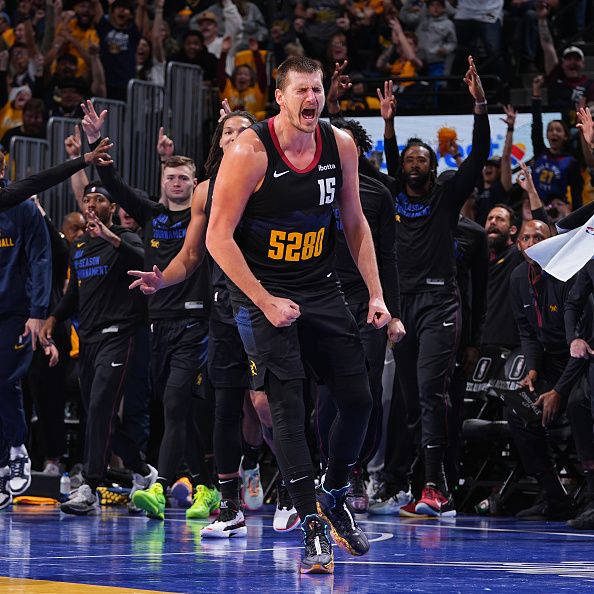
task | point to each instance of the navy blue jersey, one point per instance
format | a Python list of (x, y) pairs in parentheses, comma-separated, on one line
[(287, 231)]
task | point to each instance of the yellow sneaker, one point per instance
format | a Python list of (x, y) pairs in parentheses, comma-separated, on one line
[(205, 502)]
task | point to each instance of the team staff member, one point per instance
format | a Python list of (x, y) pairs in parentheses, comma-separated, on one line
[(427, 215), (538, 302), (279, 259), (108, 319), (378, 208), (179, 317)]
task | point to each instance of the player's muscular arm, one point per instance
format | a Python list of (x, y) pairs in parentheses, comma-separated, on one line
[(242, 169), (356, 229)]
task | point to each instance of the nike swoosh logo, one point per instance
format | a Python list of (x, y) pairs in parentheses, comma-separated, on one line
[(79, 245), (192, 325), (18, 347), (447, 324), (116, 364), (299, 479), (525, 306), (275, 174)]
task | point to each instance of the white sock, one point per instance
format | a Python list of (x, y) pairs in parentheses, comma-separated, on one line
[(18, 451)]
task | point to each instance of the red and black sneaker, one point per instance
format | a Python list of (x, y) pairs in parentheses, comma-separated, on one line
[(434, 503), (409, 511)]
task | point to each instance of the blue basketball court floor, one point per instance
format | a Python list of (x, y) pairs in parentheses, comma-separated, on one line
[(44, 552)]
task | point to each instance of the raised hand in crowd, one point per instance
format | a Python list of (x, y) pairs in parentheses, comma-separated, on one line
[(537, 84), (165, 146), (73, 143), (225, 109), (473, 80), (339, 85), (100, 155), (511, 114), (91, 122), (387, 101), (586, 125)]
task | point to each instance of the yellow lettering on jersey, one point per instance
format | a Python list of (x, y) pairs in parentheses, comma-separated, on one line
[(199, 379), (253, 368), (295, 246), (155, 243), (397, 217), (6, 242)]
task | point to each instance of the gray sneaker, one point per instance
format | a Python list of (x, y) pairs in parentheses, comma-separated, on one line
[(82, 502), (141, 483)]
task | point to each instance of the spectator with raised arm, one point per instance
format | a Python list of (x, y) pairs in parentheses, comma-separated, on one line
[(555, 171)]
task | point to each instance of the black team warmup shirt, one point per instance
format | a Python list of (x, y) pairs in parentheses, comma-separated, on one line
[(378, 208), (98, 286), (426, 225), (164, 231)]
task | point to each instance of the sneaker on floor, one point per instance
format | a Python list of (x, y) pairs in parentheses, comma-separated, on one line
[(318, 556), (357, 495), (181, 491), (20, 474), (409, 511), (252, 493), (286, 517), (373, 485), (82, 502), (549, 509), (390, 505), (152, 501), (334, 509), (140, 483), (5, 494), (434, 503), (585, 520), (205, 502), (229, 523)]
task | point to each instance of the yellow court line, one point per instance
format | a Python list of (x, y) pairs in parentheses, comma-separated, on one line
[(23, 586)]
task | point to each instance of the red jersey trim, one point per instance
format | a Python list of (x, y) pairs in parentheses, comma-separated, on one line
[(316, 158)]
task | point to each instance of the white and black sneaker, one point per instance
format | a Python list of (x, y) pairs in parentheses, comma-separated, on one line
[(286, 517), (5, 494), (229, 523), (141, 483), (20, 472), (82, 502)]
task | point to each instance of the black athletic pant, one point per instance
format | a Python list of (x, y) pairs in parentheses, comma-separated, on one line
[(179, 354), (103, 368), (533, 441), (228, 367), (45, 388), (325, 334), (15, 358), (374, 345), (426, 356)]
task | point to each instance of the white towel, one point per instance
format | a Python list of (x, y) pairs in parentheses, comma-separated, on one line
[(564, 255)]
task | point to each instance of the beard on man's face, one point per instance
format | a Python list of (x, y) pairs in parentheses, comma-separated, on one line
[(497, 240), (416, 180)]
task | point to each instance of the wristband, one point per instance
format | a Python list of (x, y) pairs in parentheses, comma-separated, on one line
[(510, 128), (480, 102)]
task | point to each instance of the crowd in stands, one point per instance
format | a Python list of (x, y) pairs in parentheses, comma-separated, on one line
[(376, 55)]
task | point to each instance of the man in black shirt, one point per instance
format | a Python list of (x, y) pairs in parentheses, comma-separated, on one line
[(378, 209), (179, 317), (538, 301), (426, 216), (108, 318)]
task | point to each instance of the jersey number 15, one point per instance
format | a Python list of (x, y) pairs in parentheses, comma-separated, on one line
[(327, 188)]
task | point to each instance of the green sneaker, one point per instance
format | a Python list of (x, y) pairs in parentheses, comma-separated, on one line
[(205, 502), (152, 501)]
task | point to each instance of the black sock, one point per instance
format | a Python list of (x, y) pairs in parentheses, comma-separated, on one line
[(302, 493), (251, 455), (209, 471), (434, 472), (551, 484), (230, 489), (337, 474)]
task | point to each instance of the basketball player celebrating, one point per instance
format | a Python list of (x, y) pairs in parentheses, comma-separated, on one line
[(273, 236)]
